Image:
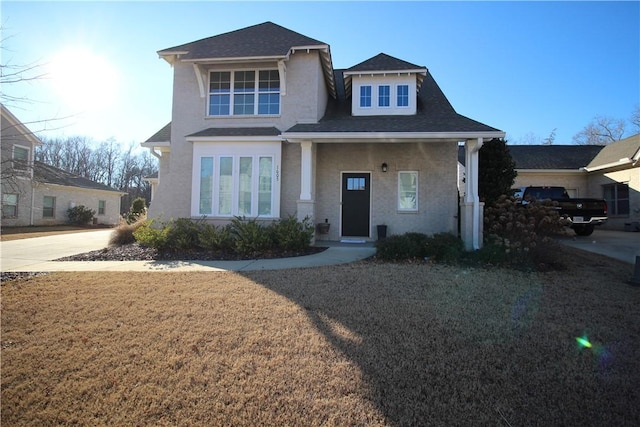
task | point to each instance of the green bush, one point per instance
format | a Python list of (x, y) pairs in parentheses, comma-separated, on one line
[(402, 247), (292, 235), (80, 215), (153, 237), (137, 210), (213, 238), (443, 247), (183, 234), (249, 236)]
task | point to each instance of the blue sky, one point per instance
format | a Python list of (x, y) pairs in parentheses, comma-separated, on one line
[(523, 67)]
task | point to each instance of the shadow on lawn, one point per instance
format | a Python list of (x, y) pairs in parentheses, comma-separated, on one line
[(448, 347)]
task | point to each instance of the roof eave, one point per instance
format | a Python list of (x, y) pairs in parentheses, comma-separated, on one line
[(254, 138), (389, 136)]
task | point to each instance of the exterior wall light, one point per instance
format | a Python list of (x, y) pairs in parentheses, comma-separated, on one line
[(384, 167)]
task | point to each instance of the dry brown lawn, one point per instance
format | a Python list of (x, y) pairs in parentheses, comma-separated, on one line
[(360, 344)]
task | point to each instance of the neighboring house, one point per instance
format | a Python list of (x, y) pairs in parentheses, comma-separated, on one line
[(610, 172), (614, 174), (264, 127), (37, 194)]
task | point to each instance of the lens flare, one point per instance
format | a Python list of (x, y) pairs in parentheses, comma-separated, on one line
[(583, 342)]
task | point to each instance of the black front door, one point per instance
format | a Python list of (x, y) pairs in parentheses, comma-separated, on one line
[(356, 192)]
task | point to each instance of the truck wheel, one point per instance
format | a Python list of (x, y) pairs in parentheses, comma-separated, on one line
[(583, 230)]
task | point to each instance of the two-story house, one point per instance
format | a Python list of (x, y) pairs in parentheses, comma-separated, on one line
[(264, 127), (34, 193)]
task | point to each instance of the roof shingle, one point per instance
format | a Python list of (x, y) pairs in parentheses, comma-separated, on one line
[(51, 175)]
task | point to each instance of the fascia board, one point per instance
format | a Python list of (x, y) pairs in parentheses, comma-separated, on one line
[(553, 171), (621, 162), (369, 136), (277, 138), (235, 59)]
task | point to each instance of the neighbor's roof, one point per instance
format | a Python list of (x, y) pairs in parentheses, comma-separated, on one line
[(623, 152), (51, 175), (548, 157), (266, 39), (163, 135), (434, 115)]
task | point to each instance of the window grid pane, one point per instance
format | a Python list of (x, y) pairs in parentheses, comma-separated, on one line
[(48, 207), (102, 207), (9, 205), (219, 93), (225, 185), (264, 185), (365, 96), (403, 96), (244, 194), (383, 96), (206, 185)]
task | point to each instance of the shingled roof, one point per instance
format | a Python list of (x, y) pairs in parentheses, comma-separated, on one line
[(384, 62), (266, 39), (231, 132), (548, 157), (51, 175), (434, 115), (623, 152), (163, 135)]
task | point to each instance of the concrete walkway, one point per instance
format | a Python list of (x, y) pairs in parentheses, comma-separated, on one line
[(36, 255), (621, 245)]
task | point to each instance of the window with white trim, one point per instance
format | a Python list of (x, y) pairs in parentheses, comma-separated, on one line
[(48, 207), (244, 93), (384, 95), (9, 205), (239, 185), (408, 191), (365, 96), (402, 95), (102, 207)]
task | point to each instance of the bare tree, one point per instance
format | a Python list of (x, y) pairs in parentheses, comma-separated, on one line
[(602, 130), (635, 118), (551, 138)]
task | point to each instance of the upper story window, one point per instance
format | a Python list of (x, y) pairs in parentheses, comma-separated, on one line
[(384, 95), (20, 157), (365, 96), (402, 92), (244, 93)]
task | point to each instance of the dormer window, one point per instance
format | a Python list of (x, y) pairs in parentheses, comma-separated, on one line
[(233, 93), (365, 96), (384, 96), (402, 92)]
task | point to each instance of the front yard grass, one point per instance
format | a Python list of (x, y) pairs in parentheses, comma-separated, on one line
[(361, 344)]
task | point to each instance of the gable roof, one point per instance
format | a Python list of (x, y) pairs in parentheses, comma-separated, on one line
[(266, 39), (384, 62), (16, 127), (434, 115), (163, 135), (548, 157), (257, 42), (619, 153), (51, 175)]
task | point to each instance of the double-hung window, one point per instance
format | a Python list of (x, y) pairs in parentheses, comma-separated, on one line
[(48, 207), (244, 93), (617, 198), (102, 207), (408, 191), (402, 95), (9, 205), (384, 95), (365, 96), (20, 157)]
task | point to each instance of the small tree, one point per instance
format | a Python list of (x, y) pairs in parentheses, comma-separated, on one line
[(496, 171), (80, 215)]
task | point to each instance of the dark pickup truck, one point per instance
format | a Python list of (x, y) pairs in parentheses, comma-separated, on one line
[(583, 214)]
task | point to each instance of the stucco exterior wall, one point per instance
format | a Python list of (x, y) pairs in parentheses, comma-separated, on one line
[(629, 176), (437, 172)]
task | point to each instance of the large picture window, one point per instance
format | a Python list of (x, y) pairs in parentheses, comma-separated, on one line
[(617, 198), (242, 93), (408, 191), (242, 186)]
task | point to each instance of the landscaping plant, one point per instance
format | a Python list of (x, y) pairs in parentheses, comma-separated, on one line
[(80, 215)]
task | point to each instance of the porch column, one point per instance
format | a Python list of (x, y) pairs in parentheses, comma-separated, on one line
[(471, 209), (306, 202)]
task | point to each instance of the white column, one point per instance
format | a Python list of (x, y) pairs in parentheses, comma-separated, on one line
[(306, 170), (472, 209)]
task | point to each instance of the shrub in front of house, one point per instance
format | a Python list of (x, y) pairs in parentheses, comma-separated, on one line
[(214, 238), (137, 210), (80, 215), (152, 237), (249, 236), (123, 233), (289, 234)]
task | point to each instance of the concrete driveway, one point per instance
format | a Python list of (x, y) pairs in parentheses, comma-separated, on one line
[(23, 254), (621, 245)]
